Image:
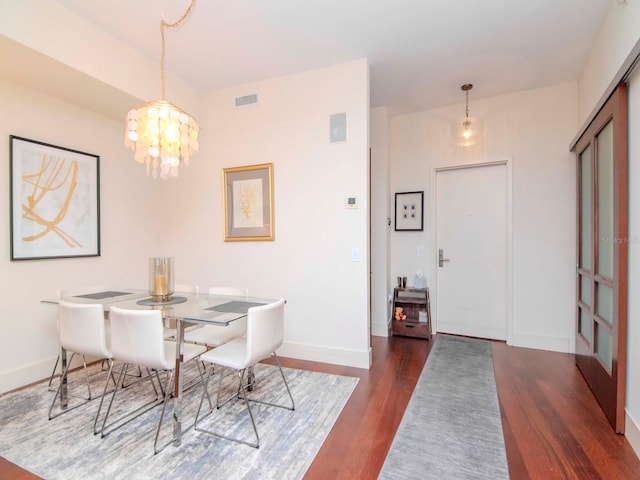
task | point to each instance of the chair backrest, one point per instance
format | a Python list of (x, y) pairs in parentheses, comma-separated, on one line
[(82, 329), (185, 288), (235, 291), (137, 337), (265, 330)]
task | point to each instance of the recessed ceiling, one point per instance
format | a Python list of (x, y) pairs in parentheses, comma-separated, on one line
[(420, 51)]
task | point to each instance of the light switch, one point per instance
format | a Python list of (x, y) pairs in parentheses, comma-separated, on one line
[(355, 254)]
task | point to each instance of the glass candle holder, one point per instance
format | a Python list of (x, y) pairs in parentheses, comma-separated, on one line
[(161, 278)]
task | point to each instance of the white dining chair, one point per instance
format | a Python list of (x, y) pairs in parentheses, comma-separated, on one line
[(66, 294), (215, 335), (137, 338), (265, 333), (185, 288), (81, 330)]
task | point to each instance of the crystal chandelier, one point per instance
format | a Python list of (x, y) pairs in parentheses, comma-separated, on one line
[(468, 131), (161, 134)]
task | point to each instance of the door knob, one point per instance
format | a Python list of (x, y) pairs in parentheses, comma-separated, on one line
[(441, 258)]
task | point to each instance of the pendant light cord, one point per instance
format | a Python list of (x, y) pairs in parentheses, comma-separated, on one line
[(176, 24)]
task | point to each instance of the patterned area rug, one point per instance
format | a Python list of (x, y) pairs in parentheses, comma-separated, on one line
[(452, 428), (65, 447)]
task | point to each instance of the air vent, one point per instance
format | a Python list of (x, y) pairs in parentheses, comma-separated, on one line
[(246, 100)]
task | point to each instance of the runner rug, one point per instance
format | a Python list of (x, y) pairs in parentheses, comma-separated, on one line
[(66, 448), (451, 428)]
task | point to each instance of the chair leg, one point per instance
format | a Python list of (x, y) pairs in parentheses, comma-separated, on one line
[(59, 389), (124, 419), (286, 384), (86, 373), (167, 389), (104, 392), (86, 376), (53, 373), (255, 444)]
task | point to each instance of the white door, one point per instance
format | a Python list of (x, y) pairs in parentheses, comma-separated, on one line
[(471, 234)]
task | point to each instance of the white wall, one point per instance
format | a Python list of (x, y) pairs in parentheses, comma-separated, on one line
[(380, 230), (633, 313), (128, 229), (309, 263), (618, 35), (532, 129)]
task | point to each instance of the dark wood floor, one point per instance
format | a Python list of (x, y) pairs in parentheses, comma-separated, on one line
[(552, 425)]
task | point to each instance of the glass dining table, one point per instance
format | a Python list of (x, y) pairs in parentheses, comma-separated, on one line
[(184, 308)]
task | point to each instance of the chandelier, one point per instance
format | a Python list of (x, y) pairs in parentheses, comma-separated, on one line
[(468, 131), (161, 134)]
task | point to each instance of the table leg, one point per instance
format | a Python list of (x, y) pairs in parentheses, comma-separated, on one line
[(63, 378), (178, 385)]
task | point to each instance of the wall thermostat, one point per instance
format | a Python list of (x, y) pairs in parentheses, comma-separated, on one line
[(351, 202)]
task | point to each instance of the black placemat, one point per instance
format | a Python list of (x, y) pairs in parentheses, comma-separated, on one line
[(101, 295), (234, 307), (150, 302)]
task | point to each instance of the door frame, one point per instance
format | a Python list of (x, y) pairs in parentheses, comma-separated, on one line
[(507, 163)]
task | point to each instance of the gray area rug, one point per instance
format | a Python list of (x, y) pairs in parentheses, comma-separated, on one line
[(65, 447), (452, 428)]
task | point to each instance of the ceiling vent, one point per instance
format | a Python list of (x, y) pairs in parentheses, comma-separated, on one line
[(247, 100)]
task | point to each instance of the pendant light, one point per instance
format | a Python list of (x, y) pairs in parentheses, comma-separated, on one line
[(162, 135), (470, 130)]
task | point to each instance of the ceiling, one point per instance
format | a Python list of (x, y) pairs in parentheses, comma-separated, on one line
[(420, 51)]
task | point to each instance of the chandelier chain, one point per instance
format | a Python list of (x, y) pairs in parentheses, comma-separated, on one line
[(176, 24), (467, 103)]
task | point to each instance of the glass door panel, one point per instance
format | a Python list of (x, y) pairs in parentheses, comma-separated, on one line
[(606, 237), (604, 348), (585, 209), (584, 327), (585, 290), (605, 303)]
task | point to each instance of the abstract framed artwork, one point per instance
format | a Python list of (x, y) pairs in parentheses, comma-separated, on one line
[(409, 211), (55, 201), (248, 203)]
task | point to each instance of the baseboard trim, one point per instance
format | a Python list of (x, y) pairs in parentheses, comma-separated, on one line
[(380, 329), (554, 344), (632, 433), (336, 356), (34, 373)]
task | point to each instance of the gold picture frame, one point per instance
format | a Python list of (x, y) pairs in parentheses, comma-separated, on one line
[(248, 203)]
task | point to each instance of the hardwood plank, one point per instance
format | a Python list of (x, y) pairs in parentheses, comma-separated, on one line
[(553, 425)]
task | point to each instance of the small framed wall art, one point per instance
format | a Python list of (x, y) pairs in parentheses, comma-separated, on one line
[(248, 203), (409, 211), (55, 201)]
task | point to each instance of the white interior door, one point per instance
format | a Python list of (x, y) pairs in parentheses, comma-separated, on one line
[(471, 233)]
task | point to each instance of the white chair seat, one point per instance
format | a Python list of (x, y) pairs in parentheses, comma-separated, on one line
[(231, 354), (189, 352), (214, 335)]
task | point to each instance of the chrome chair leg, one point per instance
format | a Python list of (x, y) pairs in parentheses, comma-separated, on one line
[(53, 373), (241, 394), (59, 389), (124, 419)]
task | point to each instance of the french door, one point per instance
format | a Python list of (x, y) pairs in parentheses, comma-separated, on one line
[(601, 273)]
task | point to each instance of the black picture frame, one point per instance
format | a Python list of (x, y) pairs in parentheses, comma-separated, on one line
[(55, 201), (409, 212)]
